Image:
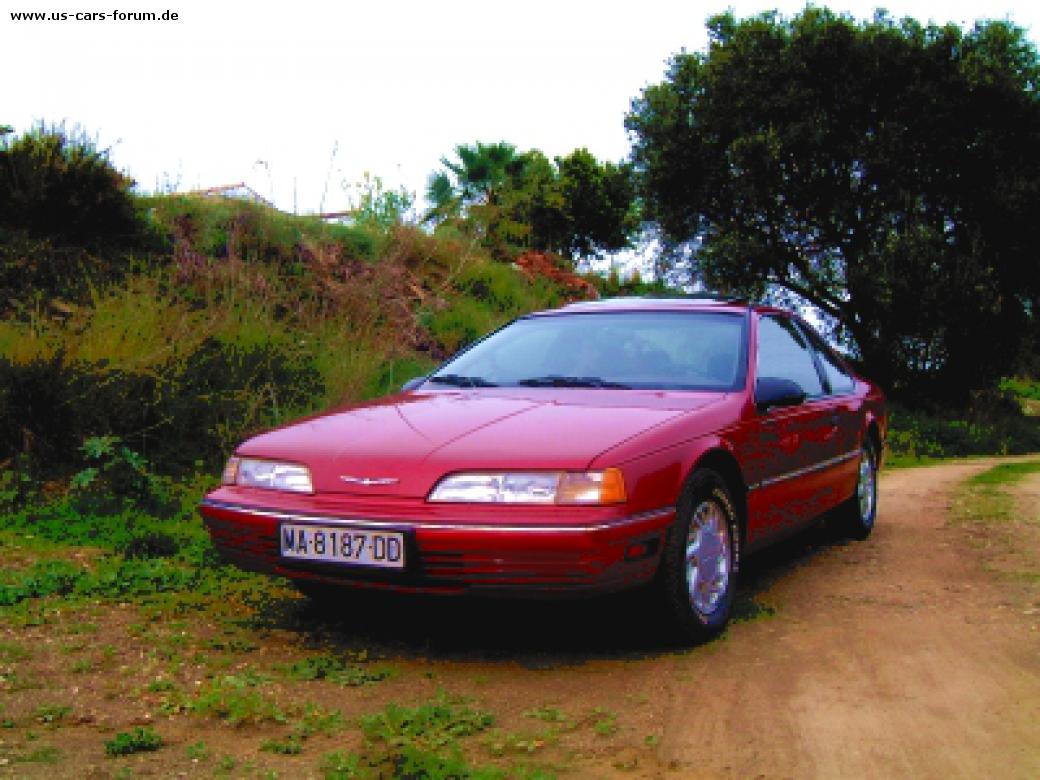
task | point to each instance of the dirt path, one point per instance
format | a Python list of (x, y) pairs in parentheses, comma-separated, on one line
[(899, 657)]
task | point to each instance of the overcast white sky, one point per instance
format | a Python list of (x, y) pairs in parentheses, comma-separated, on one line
[(263, 92)]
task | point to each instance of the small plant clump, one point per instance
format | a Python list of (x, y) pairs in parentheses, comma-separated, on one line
[(291, 746), (197, 751), (236, 699), (435, 723), (52, 714), (141, 740), (335, 669)]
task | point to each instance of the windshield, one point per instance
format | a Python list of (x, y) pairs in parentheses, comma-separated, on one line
[(667, 350)]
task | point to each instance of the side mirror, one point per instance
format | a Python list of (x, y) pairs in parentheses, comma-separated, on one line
[(773, 391), (411, 384)]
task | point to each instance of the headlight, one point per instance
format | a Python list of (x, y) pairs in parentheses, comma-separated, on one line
[(270, 474), (532, 487)]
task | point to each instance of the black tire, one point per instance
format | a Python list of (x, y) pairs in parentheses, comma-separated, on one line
[(701, 611), (859, 512)]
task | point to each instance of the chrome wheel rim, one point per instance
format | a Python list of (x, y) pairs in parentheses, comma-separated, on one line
[(866, 488), (707, 557)]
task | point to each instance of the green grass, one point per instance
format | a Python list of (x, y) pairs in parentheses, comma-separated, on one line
[(198, 751), (120, 560), (987, 498), (342, 766), (12, 652), (291, 746), (421, 742), (550, 715), (44, 754), (235, 700), (336, 669), (987, 505), (161, 685), (1006, 474), (51, 714), (501, 744), (1022, 388), (604, 722), (432, 724)]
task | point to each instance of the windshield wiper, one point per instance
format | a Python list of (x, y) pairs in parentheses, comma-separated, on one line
[(459, 380), (558, 380)]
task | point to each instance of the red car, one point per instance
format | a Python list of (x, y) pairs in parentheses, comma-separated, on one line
[(599, 446)]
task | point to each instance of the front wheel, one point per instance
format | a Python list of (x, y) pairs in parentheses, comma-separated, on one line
[(698, 566), (860, 511)]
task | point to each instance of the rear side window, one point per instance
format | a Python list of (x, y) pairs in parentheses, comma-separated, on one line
[(839, 380), (783, 353)]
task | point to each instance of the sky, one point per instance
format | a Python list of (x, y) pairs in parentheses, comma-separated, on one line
[(299, 100)]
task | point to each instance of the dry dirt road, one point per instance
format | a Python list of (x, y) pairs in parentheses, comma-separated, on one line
[(899, 657), (905, 656)]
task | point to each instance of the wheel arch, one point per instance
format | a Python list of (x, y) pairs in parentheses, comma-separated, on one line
[(873, 435), (724, 463)]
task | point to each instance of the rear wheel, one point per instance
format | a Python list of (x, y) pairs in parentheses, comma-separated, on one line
[(860, 511), (698, 566)]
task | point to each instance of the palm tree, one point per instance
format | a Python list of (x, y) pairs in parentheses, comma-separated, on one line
[(476, 178)]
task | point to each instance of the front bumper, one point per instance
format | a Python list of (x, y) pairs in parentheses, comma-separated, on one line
[(459, 549)]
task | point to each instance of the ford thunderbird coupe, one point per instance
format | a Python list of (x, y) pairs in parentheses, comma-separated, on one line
[(600, 446)]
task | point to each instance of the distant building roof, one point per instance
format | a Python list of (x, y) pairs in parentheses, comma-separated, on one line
[(238, 191)]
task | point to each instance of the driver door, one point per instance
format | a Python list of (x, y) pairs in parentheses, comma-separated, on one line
[(791, 447)]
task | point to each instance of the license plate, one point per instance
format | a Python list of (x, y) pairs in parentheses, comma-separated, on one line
[(332, 544)]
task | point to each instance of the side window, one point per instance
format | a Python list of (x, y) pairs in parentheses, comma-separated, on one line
[(784, 353), (837, 377)]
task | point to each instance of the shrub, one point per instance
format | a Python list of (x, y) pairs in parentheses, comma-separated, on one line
[(55, 183), (118, 478), (36, 418), (67, 216), (992, 426), (186, 410)]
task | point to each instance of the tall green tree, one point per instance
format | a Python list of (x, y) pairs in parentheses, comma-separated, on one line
[(886, 172), (599, 204), (475, 177), (576, 206)]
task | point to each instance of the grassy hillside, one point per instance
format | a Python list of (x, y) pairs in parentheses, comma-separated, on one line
[(238, 317)]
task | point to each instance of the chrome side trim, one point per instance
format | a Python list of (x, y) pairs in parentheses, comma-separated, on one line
[(621, 522), (823, 464)]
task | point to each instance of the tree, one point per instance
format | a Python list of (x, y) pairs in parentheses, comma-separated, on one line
[(575, 206), (373, 203), (474, 178), (885, 172), (599, 204)]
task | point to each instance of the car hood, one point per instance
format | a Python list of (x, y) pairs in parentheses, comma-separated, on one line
[(402, 445)]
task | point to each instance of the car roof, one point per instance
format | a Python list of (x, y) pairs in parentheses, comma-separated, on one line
[(694, 302)]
